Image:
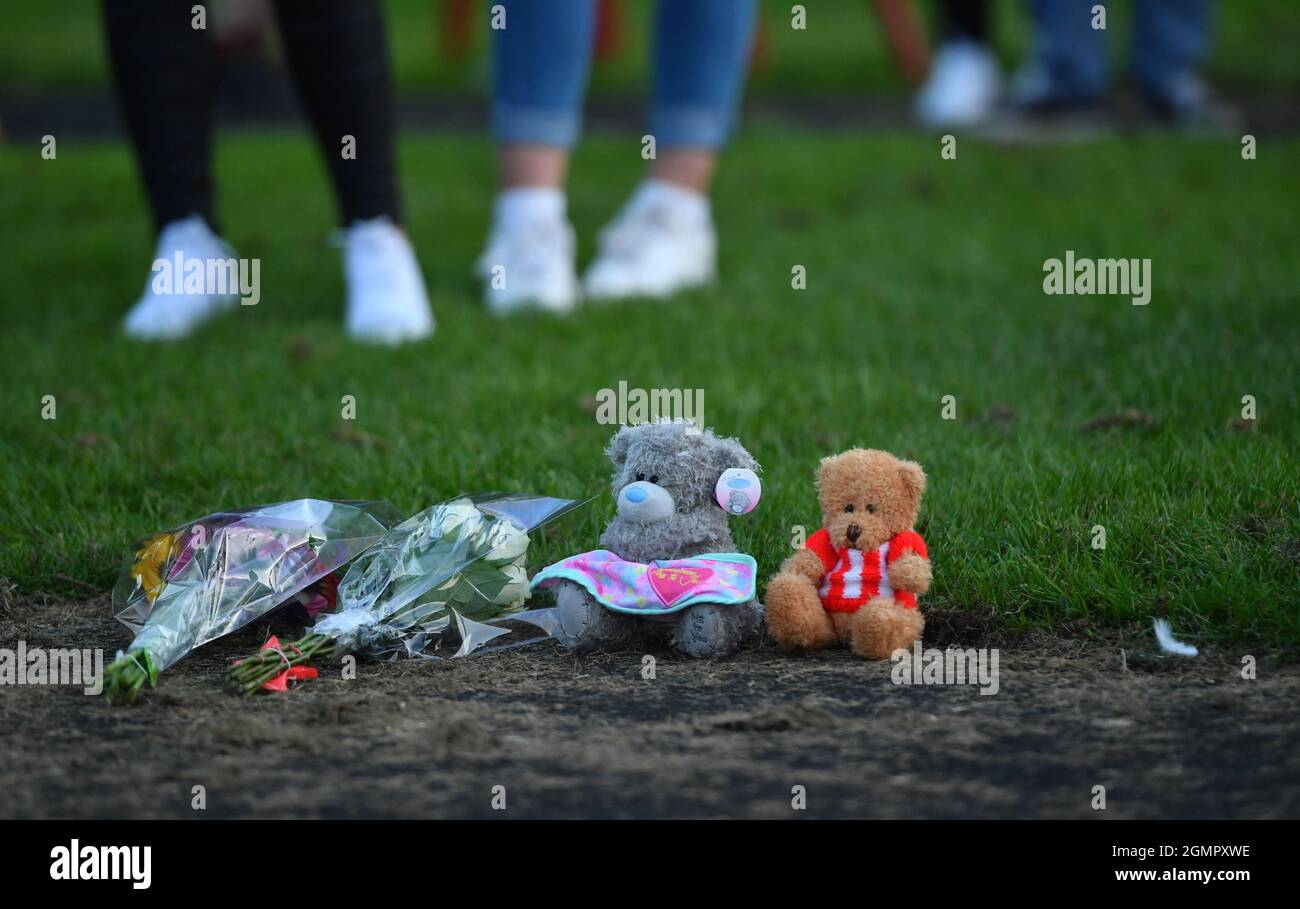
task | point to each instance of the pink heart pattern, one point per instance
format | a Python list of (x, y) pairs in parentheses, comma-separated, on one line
[(655, 587), (671, 584)]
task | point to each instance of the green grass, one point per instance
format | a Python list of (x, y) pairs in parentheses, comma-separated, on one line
[(924, 280), (55, 44)]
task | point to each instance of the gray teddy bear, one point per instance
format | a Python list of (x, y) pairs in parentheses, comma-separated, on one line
[(664, 482)]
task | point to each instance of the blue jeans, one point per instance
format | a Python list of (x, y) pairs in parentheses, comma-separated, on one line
[(542, 58), (1170, 38)]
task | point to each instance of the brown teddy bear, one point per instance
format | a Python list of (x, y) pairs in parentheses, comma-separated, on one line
[(856, 580)]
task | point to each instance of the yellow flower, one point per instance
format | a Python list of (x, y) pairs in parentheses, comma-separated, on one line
[(151, 559)]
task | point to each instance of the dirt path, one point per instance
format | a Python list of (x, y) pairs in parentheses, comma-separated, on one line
[(589, 737)]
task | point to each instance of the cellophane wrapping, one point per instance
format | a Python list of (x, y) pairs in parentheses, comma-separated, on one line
[(184, 587), (451, 571)]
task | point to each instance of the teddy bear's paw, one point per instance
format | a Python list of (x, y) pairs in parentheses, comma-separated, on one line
[(710, 631), (911, 572), (883, 626), (583, 625), (796, 618)]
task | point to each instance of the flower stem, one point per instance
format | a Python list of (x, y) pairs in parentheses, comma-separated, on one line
[(251, 674)]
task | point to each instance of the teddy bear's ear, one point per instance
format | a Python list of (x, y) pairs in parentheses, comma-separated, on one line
[(618, 447), (913, 479), (729, 453), (821, 469), (825, 465)]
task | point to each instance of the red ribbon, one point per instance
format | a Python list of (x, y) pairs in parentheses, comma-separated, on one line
[(293, 673)]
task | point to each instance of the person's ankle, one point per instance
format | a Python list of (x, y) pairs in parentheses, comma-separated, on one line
[(656, 191), (192, 221), (522, 204), (685, 167)]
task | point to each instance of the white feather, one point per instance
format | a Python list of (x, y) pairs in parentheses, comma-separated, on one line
[(1165, 637)]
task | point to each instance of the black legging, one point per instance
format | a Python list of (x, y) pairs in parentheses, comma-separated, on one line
[(166, 74), (967, 19)]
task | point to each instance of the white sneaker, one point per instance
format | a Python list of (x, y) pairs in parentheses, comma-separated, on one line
[(661, 242), (387, 301), (158, 316), (962, 87), (530, 264)]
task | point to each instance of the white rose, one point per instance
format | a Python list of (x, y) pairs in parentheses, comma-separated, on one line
[(504, 544), (516, 589), (456, 518)]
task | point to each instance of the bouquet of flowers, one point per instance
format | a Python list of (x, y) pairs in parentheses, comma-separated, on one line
[(455, 569), (197, 582)]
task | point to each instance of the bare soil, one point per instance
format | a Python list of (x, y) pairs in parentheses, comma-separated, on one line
[(589, 737)]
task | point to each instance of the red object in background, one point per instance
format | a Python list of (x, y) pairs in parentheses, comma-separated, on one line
[(760, 55), (609, 29), (905, 37), (454, 30)]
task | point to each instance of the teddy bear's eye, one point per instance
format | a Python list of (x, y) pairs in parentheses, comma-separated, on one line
[(848, 508), (654, 479), (871, 509), (640, 477)]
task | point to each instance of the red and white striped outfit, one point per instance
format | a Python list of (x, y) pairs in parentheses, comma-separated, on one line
[(853, 577)]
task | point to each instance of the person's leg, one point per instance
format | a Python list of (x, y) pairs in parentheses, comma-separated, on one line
[(961, 88), (964, 20), (1068, 63), (1170, 42), (165, 73), (337, 51), (1170, 38), (701, 54), (541, 59), (663, 239), (338, 54)]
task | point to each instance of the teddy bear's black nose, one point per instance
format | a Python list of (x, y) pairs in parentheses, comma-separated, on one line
[(853, 532)]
